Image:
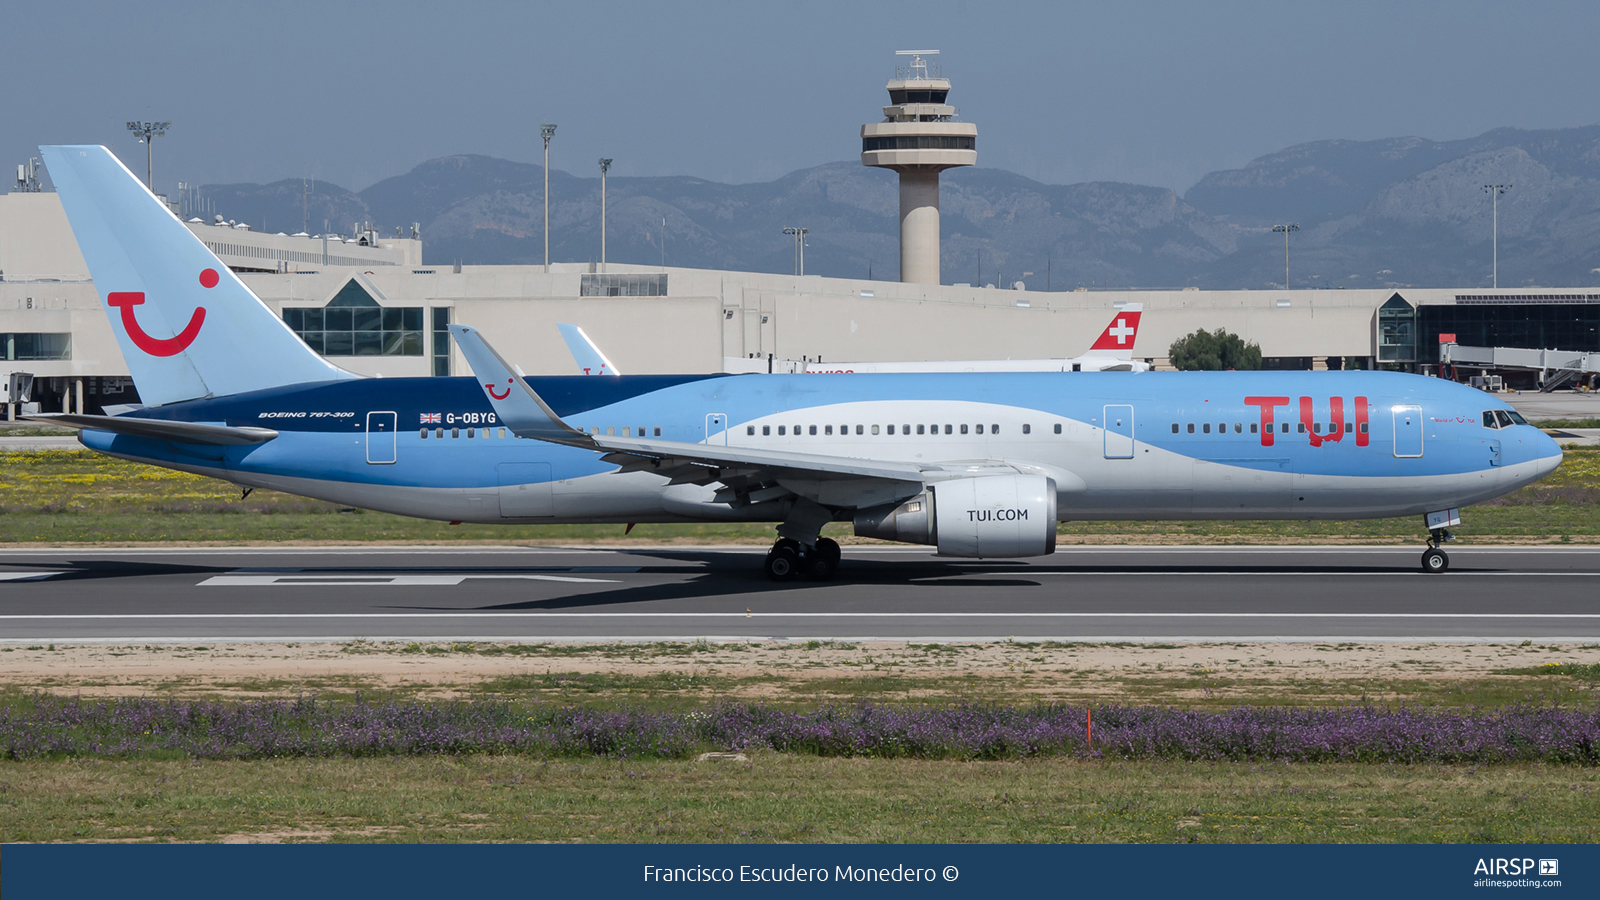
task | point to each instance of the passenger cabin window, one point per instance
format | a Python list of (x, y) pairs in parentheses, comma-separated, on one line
[(891, 429), (1174, 427), (1191, 428), (1058, 428), (1349, 427), (1027, 429), (947, 429), (858, 429), (813, 430), (1363, 428), (874, 429), (1254, 428), (995, 429), (424, 434), (1206, 427), (963, 429), (827, 429), (1238, 428), (748, 429), (905, 429), (656, 432), (920, 429)]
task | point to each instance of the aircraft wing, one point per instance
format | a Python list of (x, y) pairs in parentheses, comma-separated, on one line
[(832, 480), (163, 429), (584, 351)]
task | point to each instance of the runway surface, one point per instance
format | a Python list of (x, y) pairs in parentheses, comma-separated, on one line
[(1196, 593)]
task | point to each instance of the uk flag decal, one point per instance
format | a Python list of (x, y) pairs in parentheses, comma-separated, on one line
[(432, 418)]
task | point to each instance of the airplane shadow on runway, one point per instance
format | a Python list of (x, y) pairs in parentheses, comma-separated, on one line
[(80, 570), (726, 574)]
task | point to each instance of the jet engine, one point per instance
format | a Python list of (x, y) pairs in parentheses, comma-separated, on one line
[(992, 517)]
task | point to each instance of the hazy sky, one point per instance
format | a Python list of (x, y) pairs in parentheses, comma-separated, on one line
[(1156, 93)]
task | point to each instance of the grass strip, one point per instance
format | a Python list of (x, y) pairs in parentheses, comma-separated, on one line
[(777, 797)]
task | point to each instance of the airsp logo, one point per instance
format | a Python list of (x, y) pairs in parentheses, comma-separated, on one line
[(1515, 867)]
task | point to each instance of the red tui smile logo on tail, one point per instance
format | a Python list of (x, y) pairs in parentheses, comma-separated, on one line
[(154, 346), (490, 389)]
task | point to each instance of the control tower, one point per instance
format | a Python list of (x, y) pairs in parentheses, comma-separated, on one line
[(919, 138)]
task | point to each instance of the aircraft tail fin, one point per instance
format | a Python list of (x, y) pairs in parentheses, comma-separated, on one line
[(1117, 340), (588, 356), (186, 325)]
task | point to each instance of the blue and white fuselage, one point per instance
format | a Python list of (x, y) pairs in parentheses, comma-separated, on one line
[(365, 443)]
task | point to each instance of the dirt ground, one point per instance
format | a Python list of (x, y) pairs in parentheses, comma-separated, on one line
[(746, 669)]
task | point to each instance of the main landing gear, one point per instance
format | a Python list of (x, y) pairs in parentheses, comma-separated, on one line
[(1434, 559), (789, 559)]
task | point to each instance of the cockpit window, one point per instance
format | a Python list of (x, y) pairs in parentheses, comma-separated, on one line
[(1490, 420), (1516, 417)]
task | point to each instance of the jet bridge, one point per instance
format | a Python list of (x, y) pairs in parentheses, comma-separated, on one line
[(1555, 368)]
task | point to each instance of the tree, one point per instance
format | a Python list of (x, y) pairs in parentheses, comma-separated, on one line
[(1214, 350)]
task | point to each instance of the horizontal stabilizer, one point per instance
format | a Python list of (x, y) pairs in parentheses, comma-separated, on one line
[(163, 429)]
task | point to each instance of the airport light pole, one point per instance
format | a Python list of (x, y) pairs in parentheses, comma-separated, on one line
[(1494, 191), (146, 132), (799, 247), (605, 166), (547, 132), (1287, 230)]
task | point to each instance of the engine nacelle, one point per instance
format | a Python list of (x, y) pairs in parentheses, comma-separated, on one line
[(993, 517)]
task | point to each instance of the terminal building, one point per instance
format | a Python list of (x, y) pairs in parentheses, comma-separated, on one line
[(369, 304)]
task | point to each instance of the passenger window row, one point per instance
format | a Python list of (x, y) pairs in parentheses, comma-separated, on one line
[(627, 431), (438, 433), (905, 429), (1238, 428)]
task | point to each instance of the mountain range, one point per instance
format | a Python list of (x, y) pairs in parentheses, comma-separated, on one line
[(1385, 213)]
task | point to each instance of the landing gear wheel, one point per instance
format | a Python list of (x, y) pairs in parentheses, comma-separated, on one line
[(829, 550), (1435, 560), (782, 563)]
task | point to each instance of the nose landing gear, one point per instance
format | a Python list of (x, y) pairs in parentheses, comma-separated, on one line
[(1434, 559)]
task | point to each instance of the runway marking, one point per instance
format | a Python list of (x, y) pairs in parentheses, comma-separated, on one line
[(27, 576), (792, 615), (289, 580)]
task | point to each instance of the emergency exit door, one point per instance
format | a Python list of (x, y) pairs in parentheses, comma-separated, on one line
[(1119, 432), (1408, 431), (381, 438)]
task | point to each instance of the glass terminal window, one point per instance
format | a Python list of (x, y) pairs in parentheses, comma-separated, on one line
[(623, 285), (23, 345), (353, 324)]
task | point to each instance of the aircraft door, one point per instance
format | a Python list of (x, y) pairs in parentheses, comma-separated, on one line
[(717, 429), (381, 438), (1119, 432), (1408, 431)]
